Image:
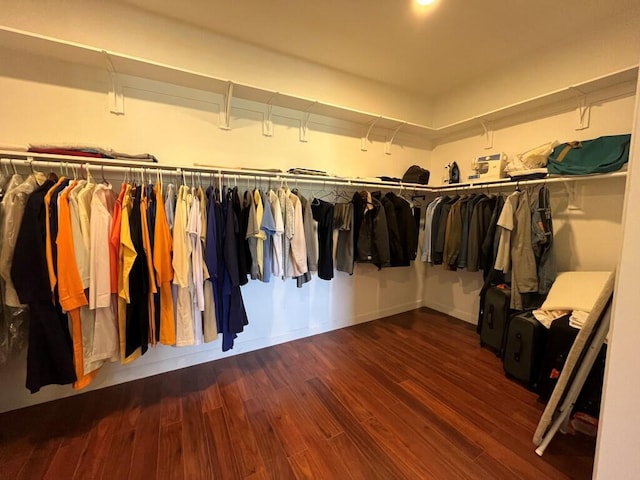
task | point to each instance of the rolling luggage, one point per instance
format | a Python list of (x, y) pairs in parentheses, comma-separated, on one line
[(561, 338), (495, 318), (524, 348)]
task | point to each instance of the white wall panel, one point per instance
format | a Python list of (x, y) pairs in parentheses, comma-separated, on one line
[(119, 28), (46, 101), (615, 46), (586, 238), (618, 442)]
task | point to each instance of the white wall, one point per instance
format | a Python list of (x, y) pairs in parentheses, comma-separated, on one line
[(123, 29), (618, 442), (53, 103), (587, 237), (615, 46), (48, 101)]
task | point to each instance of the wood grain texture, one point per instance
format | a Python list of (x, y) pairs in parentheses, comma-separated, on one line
[(408, 396), (223, 462), (195, 450), (170, 463)]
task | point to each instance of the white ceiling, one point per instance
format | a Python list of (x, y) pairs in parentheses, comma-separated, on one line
[(428, 52)]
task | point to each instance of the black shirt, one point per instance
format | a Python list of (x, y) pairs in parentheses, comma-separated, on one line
[(137, 322), (50, 350), (323, 214)]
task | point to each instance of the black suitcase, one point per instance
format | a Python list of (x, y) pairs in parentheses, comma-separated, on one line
[(495, 318), (561, 338), (524, 348)]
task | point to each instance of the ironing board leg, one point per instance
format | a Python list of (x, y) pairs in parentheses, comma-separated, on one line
[(576, 385)]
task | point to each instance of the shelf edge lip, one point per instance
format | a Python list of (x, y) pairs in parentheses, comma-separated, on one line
[(126, 164), (429, 132)]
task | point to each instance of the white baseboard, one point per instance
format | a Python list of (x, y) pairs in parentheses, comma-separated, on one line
[(196, 358), (165, 359), (385, 312), (470, 317)]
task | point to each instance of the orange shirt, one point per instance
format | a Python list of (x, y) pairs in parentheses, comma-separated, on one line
[(48, 250), (162, 249), (114, 239), (70, 289)]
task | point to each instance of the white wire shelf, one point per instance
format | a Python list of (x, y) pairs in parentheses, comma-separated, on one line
[(623, 81), (9, 159)]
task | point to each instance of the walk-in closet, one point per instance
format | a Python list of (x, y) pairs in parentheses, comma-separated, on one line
[(266, 239)]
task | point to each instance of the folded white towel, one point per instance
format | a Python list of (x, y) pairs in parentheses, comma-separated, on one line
[(578, 317), (546, 317)]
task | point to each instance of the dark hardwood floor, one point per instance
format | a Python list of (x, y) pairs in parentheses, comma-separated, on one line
[(409, 396)]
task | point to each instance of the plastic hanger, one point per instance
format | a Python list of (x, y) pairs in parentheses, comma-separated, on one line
[(343, 195), (102, 179)]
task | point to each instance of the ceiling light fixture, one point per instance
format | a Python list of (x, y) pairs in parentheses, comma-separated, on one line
[(423, 8)]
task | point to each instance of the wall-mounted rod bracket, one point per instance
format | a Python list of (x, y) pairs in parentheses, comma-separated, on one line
[(488, 136), (267, 122), (225, 112), (389, 142), (115, 95), (304, 123), (364, 140), (584, 113), (574, 201), (583, 109)]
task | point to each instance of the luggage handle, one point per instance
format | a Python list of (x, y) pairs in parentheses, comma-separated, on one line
[(518, 350), (490, 319)]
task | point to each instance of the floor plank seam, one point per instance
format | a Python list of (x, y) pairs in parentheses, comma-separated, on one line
[(409, 396)]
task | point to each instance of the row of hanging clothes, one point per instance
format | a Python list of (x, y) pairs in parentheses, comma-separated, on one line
[(104, 275), (296, 233), (508, 237), (386, 228), (100, 276)]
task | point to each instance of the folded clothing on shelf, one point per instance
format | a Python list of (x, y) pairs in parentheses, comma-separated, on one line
[(75, 150), (13, 147), (531, 160), (137, 156), (307, 171), (531, 174), (69, 152)]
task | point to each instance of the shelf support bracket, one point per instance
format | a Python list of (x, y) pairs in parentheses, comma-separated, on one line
[(572, 193), (389, 142), (225, 113), (116, 97), (364, 140), (267, 123), (584, 113), (488, 136), (304, 123)]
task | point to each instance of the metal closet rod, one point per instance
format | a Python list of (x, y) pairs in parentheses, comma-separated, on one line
[(112, 165), (516, 183), (18, 159)]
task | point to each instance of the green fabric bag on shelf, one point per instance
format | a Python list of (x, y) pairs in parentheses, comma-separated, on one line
[(600, 155)]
